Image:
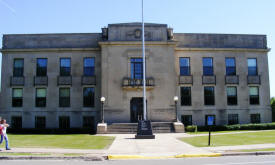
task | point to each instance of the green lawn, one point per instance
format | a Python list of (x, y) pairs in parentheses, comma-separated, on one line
[(260, 137), (206, 132), (73, 141)]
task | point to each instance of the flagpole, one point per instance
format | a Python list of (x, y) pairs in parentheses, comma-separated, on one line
[(144, 71)]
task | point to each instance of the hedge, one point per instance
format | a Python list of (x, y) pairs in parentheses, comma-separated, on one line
[(263, 126)]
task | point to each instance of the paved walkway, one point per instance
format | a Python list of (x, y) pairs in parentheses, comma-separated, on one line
[(126, 144), (162, 145)]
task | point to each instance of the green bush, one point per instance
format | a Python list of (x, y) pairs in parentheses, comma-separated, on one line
[(191, 128), (263, 126)]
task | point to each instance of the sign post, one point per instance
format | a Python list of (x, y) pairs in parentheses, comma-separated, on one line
[(210, 122)]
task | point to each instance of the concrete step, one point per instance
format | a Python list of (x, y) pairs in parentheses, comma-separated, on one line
[(158, 127)]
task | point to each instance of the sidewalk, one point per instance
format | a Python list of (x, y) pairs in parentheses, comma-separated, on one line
[(126, 144), (163, 146)]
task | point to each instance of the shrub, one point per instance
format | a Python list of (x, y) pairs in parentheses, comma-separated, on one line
[(263, 126), (191, 128)]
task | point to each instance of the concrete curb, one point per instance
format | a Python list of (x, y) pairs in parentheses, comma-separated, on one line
[(120, 157), (52, 158), (248, 153)]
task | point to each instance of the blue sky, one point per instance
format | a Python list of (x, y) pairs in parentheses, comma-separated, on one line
[(188, 16)]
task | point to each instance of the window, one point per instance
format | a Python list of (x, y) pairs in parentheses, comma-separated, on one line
[(17, 97), (185, 95), (255, 118), (184, 67), (186, 120), (233, 119), (252, 66), (64, 97), (18, 67), (208, 66), (40, 122), (65, 67), (41, 67), (16, 122), (88, 97), (88, 122), (254, 95), (232, 96), (230, 66), (40, 98), (209, 96), (136, 68), (206, 119), (89, 66), (64, 122)]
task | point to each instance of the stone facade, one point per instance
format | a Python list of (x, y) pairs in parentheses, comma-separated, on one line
[(113, 50)]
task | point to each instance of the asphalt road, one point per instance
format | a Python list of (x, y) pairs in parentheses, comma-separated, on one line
[(236, 160)]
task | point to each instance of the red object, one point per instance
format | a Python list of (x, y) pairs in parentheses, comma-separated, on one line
[(1, 128)]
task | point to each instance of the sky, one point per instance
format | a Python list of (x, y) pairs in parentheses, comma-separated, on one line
[(185, 16)]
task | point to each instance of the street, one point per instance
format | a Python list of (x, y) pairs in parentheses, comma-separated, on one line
[(236, 160)]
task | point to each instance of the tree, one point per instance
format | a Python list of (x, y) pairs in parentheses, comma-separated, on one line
[(272, 103)]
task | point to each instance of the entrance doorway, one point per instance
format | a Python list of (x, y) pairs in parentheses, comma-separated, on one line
[(136, 108)]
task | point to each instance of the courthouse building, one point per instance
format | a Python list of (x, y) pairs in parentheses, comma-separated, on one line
[(56, 80)]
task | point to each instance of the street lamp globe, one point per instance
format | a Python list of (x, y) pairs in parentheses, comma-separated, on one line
[(102, 99), (176, 98)]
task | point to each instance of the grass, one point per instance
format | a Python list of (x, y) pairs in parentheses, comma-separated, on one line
[(74, 141), (232, 139)]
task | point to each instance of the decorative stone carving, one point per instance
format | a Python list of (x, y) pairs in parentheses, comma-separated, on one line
[(186, 79), (88, 80), (64, 80), (208, 79), (254, 79), (232, 79), (40, 80), (17, 81)]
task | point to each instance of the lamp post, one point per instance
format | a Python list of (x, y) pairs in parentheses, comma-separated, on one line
[(102, 99), (176, 99)]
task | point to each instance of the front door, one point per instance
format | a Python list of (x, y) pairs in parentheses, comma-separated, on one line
[(136, 106)]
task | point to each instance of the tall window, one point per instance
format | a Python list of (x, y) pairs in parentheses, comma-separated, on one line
[(41, 67), (18, 67), (17, 97), (88, 97), (65, 67), (184, 66), (208, 66), (136, 68), (64, 97), (186, 120), (231, 96), (40, 122), (254, 95), (64, 122), (252, 66), (40, 99), (89, 66), (88, 122), (230, 66), (16, 122), (209, 96), (185, 95), (233, 119), (255, 118)]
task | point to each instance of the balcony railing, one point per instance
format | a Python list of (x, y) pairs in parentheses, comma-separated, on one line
[(17, 81), (64, 80), (40, 80), (88, 80), (209, 79), (137, 83), (186, 79), (234, 79), (254, 79)]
